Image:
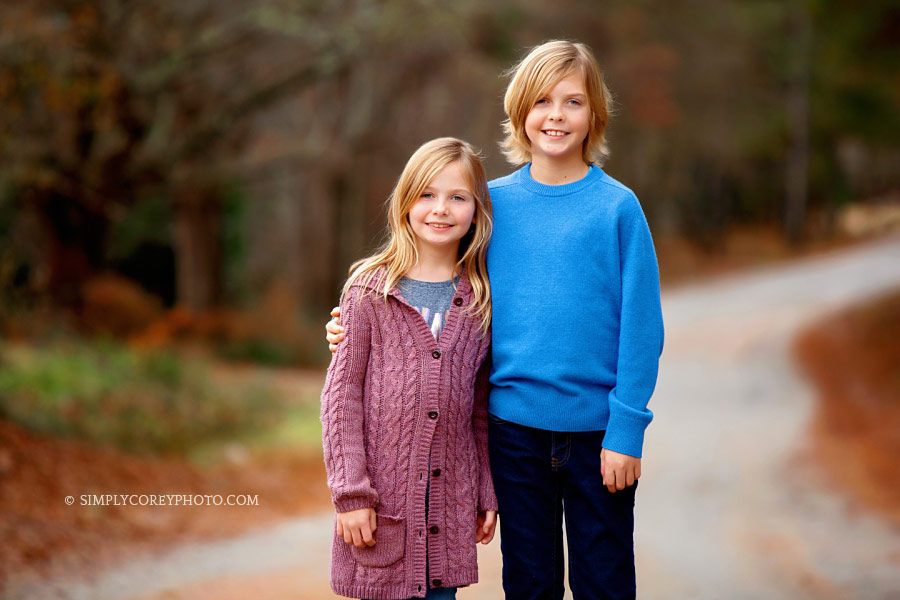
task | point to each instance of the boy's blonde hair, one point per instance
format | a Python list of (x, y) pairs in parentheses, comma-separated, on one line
[(399, 253), (534, 76)]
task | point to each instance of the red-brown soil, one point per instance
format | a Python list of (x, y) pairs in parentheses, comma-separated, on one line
[(853, 358), (37, 472)]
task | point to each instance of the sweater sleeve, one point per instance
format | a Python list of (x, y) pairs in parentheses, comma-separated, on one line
[(342, 410), (487, 500), (640, 336)]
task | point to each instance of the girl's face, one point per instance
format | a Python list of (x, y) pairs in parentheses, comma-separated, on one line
[(558, 123), (444, 212)]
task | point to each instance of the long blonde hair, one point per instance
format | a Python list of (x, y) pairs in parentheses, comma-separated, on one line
[(534, 76), (399, 253)]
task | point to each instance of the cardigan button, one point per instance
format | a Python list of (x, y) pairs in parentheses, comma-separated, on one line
[(436, 582), (432, 414), (457, 301), (436, 354), (434, 529), (436, 472)]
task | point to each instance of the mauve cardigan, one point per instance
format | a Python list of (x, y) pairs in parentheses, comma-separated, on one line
[(392, 395)]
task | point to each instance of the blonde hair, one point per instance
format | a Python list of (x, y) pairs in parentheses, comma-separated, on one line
[(399, 253), (534, 76)]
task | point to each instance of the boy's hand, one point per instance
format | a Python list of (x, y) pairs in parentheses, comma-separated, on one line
[(618, 470), (357, 527), (486, 523), (334, 329)]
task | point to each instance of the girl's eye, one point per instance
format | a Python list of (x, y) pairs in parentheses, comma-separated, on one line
[(542, 101), (460, 198), (575, 102), (427, 195)]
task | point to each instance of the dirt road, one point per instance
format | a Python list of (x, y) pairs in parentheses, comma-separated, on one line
[(731, 505)]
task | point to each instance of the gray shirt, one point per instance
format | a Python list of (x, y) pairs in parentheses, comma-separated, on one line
[(431, 298)]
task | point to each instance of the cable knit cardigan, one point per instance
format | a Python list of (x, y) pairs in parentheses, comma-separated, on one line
[(393, 396)]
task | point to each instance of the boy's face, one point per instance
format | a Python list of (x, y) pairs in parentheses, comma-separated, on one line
[(558, 123)]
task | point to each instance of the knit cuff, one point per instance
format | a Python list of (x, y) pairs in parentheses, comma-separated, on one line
[(625, 435), (488, 504), (353, 503)]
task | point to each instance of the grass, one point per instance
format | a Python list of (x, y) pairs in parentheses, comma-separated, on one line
[(298, 431), (155, 401)]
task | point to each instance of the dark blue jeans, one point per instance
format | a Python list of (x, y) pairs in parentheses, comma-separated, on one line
[(537, 476)]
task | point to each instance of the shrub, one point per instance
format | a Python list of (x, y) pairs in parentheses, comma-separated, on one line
[(150, 401)]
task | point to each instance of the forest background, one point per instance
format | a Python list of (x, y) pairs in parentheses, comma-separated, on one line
[(186, 183)]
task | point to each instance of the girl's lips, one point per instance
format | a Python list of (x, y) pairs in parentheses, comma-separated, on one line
[(439, 226)]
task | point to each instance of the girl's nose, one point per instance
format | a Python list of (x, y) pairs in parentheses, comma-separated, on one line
[(440, 207)]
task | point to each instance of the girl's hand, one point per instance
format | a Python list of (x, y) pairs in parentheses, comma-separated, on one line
[(618, 470), (357, 527), (485, 524), (334, 329)]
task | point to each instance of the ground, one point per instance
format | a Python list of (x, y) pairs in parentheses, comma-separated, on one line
[(37, 472), (852, 357)]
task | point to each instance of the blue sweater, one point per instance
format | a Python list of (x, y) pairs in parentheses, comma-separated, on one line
[(577, 322)]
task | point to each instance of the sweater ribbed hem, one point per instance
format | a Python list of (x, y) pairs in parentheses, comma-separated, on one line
[(401, 592), (550, 414)]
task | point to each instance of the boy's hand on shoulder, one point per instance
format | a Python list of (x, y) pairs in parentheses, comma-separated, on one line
[(618, 470), (334, 329), (357, 527), (485, 525)]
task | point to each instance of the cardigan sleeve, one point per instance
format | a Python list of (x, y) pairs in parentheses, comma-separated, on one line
[(342, 409), (487, 500)]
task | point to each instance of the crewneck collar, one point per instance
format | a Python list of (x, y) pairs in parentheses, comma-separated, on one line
[(524, 176)]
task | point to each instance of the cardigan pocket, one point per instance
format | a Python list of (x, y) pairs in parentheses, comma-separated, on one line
[(390, 543)]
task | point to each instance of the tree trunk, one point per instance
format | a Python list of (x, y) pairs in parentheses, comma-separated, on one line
[(198, 253), (797, 172)]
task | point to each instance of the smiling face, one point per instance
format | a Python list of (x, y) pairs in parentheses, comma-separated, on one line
[(445, 210), (558, 123)]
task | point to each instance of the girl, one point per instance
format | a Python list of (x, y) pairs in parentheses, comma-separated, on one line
[(404, 408)]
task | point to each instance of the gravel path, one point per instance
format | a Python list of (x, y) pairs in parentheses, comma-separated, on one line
[(730, 507)]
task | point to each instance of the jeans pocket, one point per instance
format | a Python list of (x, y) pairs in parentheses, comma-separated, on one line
[(390, 543)]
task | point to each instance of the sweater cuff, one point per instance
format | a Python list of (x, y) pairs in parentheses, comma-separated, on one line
[(625, 435), (487, 499), (488, 504), (353, 503)]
